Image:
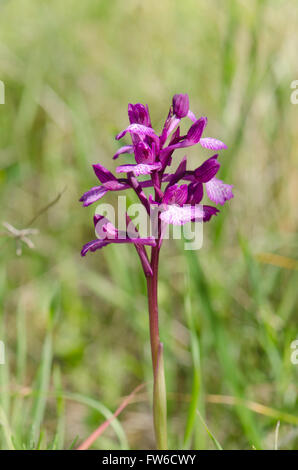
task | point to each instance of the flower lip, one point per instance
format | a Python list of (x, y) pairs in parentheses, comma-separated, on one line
[(218, 191), (180, 105), (140, 131), (213, 144), (139, 169)]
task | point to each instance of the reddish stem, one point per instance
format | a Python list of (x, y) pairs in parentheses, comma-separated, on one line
[(152, 283)]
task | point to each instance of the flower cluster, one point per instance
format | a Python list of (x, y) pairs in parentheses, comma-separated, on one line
[(153, 153)]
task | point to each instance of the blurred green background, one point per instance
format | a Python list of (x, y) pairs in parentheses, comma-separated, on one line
[(76, 330)]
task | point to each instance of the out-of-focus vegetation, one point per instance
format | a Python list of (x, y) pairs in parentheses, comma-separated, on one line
[(76, 330)]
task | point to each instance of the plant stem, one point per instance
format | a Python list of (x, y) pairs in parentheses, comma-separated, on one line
[(159, 390)]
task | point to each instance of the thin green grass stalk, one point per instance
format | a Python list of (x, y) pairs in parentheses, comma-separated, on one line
[(4, 377), (268, 335), (4, 425), (43, 379), (74, 443), (228, 55), (21, 365), (60, 407), (4, 374), (41, 440), (197, 392), (288, 301), (254, 79), (230, 375), (276, 434), (4, 368), (212, 437), (98, 406), (42, 387)]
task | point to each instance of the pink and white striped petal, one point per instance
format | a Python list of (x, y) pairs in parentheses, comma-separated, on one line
[(178, 215), (213, 144), (140, 130), (139, 169), (218, 191)]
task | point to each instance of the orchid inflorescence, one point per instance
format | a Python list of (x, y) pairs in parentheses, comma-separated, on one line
[(178, 204), (174, 204)]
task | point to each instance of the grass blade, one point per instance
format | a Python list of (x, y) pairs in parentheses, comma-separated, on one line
[(212, 437)]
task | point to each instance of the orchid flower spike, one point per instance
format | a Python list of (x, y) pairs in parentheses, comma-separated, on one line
[(153, 157), (176, 198)]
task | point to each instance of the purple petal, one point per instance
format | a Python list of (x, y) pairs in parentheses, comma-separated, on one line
[(207, 170), (219, 192), (98, 244), (169, 195), (180, 105), (166, 155), (102, 173), (195, 132), (175, 137), (139, 169), (193, 137), (124, 149), (176, 194), (143, 153), (179, 173), (170, 126), (165, 133), (99, 191), (195, 193), (141, 131), (152, 200), (94, 194), (93, 246), (209, 211), (97, 218), (115, 185), (139, 114), (213, 144), (104, 229), (181, 195)]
